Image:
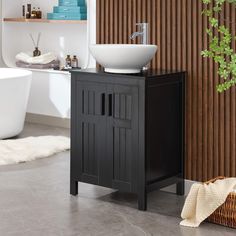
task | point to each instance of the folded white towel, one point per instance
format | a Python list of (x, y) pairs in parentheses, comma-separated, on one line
[(43, 59), (204, 199)]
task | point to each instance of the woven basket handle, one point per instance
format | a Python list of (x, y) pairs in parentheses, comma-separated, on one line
[(213, 180)]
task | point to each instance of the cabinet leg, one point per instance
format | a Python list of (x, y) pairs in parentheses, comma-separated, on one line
[(142, 202), (73, 187), (180, 189)]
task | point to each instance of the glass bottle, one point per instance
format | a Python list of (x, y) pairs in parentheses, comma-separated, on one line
[(39, 13), (23, 11), (34, 13), (74, 62), (36, 52), (28, 14), (68, 61)]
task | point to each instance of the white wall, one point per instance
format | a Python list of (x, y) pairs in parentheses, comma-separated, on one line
[(61, 39), (1, 61), (50, 92)]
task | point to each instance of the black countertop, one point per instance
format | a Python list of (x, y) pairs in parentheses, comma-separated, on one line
[(145, 74)]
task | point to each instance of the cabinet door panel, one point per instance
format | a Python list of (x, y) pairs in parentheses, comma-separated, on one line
[(92, 99), (88, 149), (123, 136), (122, 149), (90, 136), (122, 106)]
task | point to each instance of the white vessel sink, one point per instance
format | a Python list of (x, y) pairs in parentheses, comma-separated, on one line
[(123, 58)]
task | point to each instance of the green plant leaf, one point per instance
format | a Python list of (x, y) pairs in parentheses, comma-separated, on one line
[(220, 44)]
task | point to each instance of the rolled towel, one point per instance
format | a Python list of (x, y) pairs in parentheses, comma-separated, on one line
[(43, 59), (52, 64)]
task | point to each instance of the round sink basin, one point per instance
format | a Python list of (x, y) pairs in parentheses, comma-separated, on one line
[(123, 58)]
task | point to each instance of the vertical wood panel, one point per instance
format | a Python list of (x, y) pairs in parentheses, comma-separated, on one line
[(177, 27), (194, 85), (233, 111), (215, 126), (221, 125), (209, 112), (199, 90), (111, 20), (191, 160), (168, 33), (227, 114), (174, 43), (162, 47), (116, 20), (156, 31)]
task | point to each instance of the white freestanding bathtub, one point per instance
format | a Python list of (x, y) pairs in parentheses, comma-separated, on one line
[(14, 94)]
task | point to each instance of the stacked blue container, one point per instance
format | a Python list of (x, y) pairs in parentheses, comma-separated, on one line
[(69, 10)]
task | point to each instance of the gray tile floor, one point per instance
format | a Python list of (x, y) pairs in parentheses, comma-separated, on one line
[(35, 200)]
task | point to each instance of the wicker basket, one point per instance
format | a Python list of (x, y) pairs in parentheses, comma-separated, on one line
[(226, 213)]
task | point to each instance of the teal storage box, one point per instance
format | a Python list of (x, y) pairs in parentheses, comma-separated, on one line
[(81, 2), (67, 16), (72, 3), (68, 9)]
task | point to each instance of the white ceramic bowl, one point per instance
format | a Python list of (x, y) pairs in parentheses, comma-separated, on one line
[(123, 58)]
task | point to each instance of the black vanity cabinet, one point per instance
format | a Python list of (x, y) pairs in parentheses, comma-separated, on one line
[(127, 131)]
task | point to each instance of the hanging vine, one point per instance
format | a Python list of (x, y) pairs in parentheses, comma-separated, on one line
[(220, 44)]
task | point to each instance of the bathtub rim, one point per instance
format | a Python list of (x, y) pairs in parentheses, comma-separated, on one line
[(24, 73)]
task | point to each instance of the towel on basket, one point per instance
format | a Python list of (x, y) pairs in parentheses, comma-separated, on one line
[(204, 199)]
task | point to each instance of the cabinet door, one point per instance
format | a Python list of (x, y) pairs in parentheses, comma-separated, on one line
[(89, 139), (122, 137)]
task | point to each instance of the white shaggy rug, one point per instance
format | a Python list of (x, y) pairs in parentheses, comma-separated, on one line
[(31, 148)]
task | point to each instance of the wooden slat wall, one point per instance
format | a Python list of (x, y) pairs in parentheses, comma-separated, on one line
[(177, 27)]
